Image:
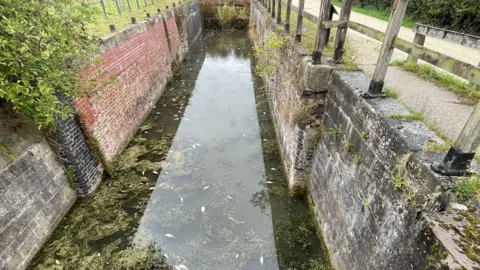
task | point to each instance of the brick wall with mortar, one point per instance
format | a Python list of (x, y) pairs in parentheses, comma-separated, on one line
[(34, 195), (140, 58)]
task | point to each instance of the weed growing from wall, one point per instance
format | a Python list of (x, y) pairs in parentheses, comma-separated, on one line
[(267, 55)]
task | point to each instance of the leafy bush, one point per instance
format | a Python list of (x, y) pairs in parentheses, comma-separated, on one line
[(460, 15), (43, 47), (226, 14)]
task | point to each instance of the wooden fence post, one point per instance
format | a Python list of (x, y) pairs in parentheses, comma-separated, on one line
[(273, 8), (339, 47), (118, 7), (138, 3), (104, 9), (298, 34), (376, 84), (269, 4), (129, 5), (458, 159), (321, 36), (145, 2), (287, 17), (418, 39), (279, 12)]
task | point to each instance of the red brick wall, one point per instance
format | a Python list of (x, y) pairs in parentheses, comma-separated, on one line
[(141, 64)]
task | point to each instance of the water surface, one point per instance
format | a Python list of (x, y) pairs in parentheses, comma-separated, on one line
[(201, 184)]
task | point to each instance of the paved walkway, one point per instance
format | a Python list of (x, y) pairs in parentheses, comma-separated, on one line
[(439, 106)]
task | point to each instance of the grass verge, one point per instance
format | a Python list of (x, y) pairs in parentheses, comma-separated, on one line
[(372, 11), (100, 26), (449, 82)]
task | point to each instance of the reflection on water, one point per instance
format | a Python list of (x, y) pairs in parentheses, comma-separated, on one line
[(202, 181)]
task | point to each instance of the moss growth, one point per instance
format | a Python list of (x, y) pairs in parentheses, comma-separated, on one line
[(314, 134), (334, 132), (364, 135), (357, 159), (467, 189), (437, 147), (412, 116), (391, 92)]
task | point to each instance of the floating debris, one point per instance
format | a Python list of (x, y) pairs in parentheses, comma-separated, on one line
[(177, 267), (261, 260), (203, 209), (183, 267), (167, 173), (166, 256), (228, 197), (155, 172), (269, 182), (57, 262), (143, 172), (169, 235), (273, 169), (197, 144), (181, 199), (205, 188), (236, 256), (152, 188), (193, 146)]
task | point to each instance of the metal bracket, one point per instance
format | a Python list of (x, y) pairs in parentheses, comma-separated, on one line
[(374, 90), (455, 163)]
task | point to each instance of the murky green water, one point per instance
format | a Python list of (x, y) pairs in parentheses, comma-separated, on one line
[(200, 185)]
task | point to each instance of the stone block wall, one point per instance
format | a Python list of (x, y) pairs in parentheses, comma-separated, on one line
[(34, 195), (371, 181), (141, 59), (290, 97)]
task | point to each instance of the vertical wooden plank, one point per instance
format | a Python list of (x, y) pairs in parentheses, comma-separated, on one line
[(394, 24), (287, 17), (279, 12), (273, 8), (104, 9), (117, 2), (339, 46), (269, 4), (298, 33), (469, 139), (321, 36), (418, 39), (330, 17)]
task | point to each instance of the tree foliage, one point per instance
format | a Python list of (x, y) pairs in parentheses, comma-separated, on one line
[(44, 45), (460, 15)]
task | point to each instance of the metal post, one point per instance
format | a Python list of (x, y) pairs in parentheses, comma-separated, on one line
[(321, 36), (298, 34), (287, 17), (104, 9), (418, 39), (457, 161), (279, 12), (273, 8), (118, 7), (394, 24), (339, 47)]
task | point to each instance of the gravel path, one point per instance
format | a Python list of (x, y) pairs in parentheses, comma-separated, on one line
[(440, 107)]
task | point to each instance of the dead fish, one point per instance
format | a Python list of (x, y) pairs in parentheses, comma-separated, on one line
[(203, 209), (152, 188), (57, 262), (269, 182), (264, 113), (166, 256), (193, 146), (159, 112), (183, 267), (244, 135), (177, 267), (169, 235), (261, 260), (143, 172), (273, 169), (236, 257), (175, 115), (155, 172), (166, 173), (197, 144), (205, 188), (146, 132), (181, 199), (228, 197)]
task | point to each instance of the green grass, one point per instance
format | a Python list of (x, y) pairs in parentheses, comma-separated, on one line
[(438, 147), (391, 92), (379, 14), (100, 26), (468, 189), (411, 116), (449, 82)]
